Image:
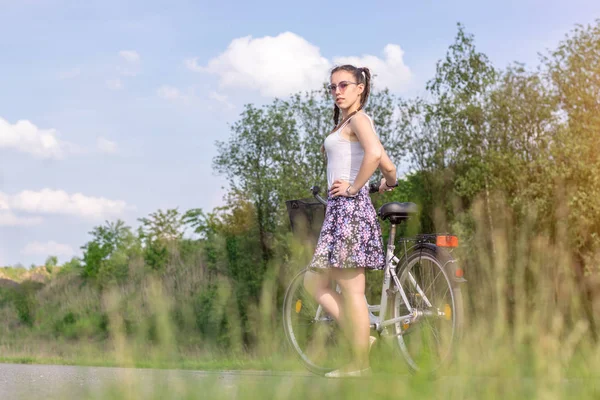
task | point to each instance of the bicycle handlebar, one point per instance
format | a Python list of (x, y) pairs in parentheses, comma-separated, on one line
[(373, 188)]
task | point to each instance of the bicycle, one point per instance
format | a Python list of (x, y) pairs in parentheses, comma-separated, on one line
[(411, 304)]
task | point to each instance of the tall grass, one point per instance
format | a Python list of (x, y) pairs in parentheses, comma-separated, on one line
[(528, 333)]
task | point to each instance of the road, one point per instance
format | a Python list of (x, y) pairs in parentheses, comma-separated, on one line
[(19, 381)]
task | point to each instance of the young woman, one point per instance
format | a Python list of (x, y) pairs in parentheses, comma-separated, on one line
[(350, 240)]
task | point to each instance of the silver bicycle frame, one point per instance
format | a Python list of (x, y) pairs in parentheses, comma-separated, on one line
[(389, 275)]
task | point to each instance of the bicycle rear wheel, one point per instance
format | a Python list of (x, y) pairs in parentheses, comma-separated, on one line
[(312, 334), (428, 342)]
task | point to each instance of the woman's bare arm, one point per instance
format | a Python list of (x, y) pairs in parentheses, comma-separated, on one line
[(387, 168)]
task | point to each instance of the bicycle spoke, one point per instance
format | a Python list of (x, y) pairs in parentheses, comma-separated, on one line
[(438, 274), (445, 292), (432, 330), (428, 342), (316, 341)]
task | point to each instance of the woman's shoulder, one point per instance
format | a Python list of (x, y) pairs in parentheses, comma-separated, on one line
[(363, 114), (362, 118)]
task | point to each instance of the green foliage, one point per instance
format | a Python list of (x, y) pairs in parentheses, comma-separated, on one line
[(162, 226), (111, 239), (22, 299), (158, 232), (199, 222), (573, 69), (212, 318), (74, 264), (13, 273), (51, 261), (264, 147), (489, 150), (73, 326)]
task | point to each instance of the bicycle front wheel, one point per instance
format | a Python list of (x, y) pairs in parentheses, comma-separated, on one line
[(312, 334), (427, 342)]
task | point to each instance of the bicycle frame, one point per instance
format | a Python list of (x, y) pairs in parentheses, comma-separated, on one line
[(389, 275)]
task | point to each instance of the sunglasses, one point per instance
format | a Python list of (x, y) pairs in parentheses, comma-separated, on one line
[(342, 85)]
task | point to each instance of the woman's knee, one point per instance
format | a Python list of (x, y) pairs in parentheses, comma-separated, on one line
[(315, 282)]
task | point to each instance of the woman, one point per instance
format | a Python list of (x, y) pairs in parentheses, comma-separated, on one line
[(350, 239)]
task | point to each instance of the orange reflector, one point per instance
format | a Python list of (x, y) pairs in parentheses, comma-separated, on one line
[(446, 241), (405, 326), (447, 312), (298, 306), (459, 273)]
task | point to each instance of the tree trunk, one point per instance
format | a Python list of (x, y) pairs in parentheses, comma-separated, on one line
[(587, 296)]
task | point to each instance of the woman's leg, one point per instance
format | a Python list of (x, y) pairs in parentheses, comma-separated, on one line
[(318, 284), (355, 313)]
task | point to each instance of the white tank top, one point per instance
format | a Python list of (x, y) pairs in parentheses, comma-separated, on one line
[(344, 157)]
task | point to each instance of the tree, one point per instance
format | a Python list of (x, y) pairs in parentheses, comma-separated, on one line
[(160, 232), (107, 241), (574, 71), (74, 264), (50, 263), (448, 137), (196, 219), (262, 156), (162, 226), (520, 112)]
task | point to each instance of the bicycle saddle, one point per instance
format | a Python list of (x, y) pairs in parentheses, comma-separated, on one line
[(397, 212)]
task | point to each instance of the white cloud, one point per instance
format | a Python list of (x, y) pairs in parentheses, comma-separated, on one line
[(10, 219), (287, 63), (276, 66), (132, 63), (221, 98), (25, 137), (170, 93), (48, 248), (48, 201), (131, 56), (391, 72), (114, 84), (192, 64), (70, 74), (3, 202), (106, 146)]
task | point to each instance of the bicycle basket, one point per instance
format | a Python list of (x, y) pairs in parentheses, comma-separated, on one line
[(306, 218)]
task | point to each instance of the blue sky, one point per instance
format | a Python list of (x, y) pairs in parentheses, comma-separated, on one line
[(110, 109)]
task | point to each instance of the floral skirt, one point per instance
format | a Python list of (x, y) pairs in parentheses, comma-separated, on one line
[(350, 236)]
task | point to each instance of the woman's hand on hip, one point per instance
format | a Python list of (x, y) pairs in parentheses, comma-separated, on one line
[(339, 188)]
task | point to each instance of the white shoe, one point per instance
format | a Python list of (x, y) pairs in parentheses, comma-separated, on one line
[(363, 372), (347, 374), (372, 340)]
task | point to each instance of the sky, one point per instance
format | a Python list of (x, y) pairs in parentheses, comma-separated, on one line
[(111, 109)]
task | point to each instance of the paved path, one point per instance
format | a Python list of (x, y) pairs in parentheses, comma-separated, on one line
[(19, 381)]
